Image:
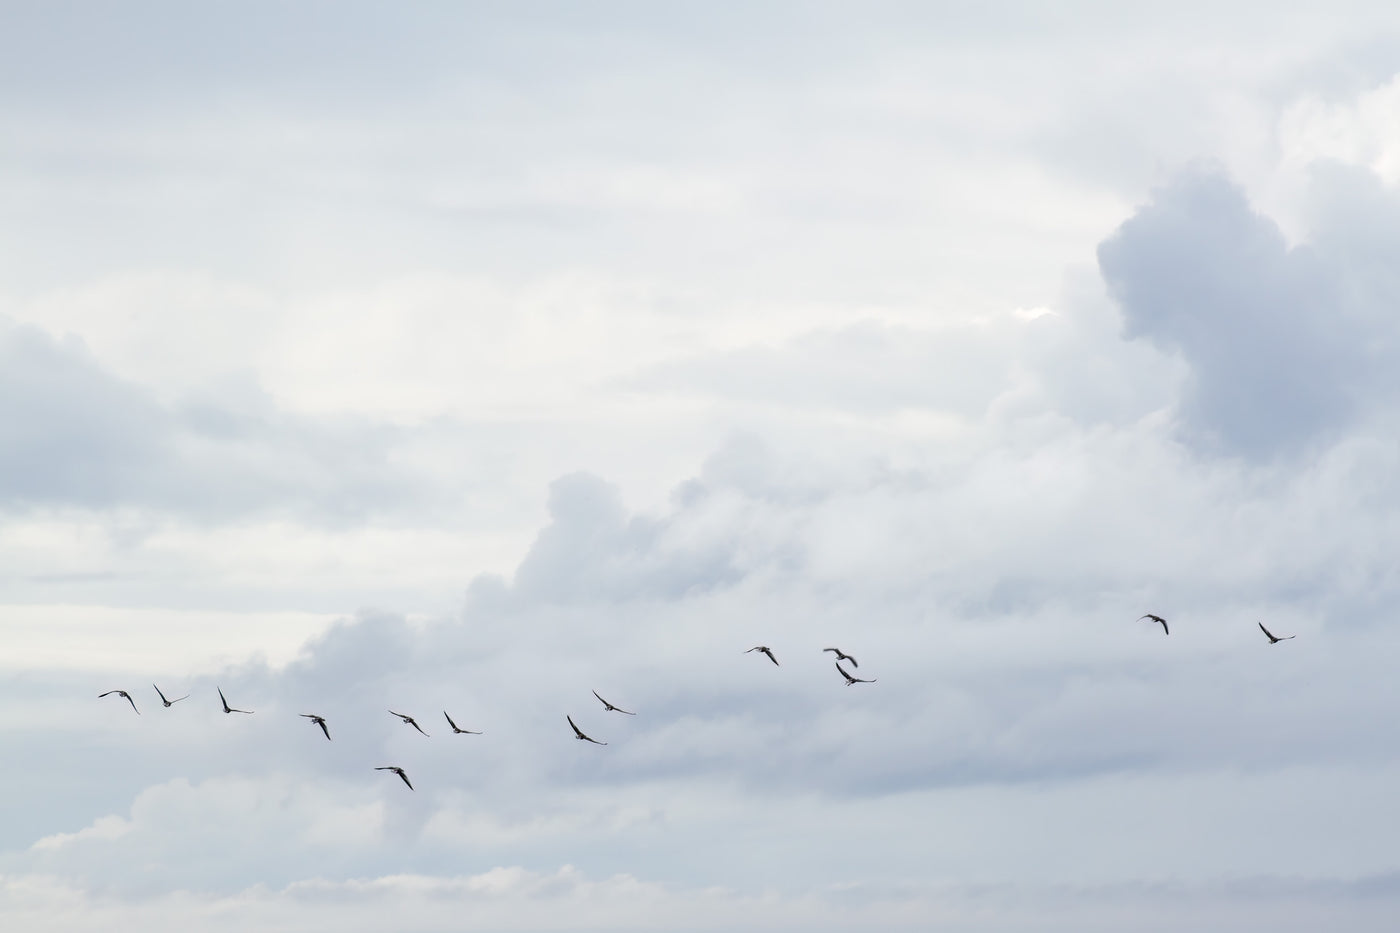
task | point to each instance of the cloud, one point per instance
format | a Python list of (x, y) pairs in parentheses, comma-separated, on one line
[(1263, 326), (75, 436), (565, 898)]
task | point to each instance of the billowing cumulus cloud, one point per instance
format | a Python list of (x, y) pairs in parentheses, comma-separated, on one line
[(1285, 343)]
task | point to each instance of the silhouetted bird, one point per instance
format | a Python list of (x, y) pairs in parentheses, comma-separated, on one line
[(320, 721), (764, 649), (121, 693), (397, 770), (410, 720), (169, 703), (1158, 619), (230, 709), (852, 680), (578, 733), (843, 656), (610, 708), (457, 730), (1274, 639)]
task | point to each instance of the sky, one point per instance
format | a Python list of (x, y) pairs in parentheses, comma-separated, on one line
[(472, 358)]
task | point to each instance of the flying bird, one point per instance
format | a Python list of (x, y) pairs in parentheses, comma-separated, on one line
[(320, 721), (454, 726), (121, 693), (1274, 639), (852, 680), (169, 703), (397, 770), (410, 720), (843, 656), (1158, 619), (764, 649), (230, 709), (613, 709), (578, 733)]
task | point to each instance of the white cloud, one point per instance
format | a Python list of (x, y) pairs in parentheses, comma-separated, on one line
[(1362, 131)]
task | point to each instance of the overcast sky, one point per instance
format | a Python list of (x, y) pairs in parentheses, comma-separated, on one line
[(476, 357)]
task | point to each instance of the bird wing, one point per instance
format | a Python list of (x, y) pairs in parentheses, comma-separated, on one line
[(770, 656), (1267, 632), (450, 722), (848, 677), (577, 730), (159, 694), (400, 715), (405, 779), (222, 698), (414, 724), (322, 723)]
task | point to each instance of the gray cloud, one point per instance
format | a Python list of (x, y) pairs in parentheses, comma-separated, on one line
[(74, 435), (1264, 327)]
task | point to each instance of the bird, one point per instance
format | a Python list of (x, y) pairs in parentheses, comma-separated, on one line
[(1158, 619), (169, 703), (230, 709), (320, 721), (610, 708), (843, 656), (578, 733), (121, 693), (1274, 639), (764, 649), (853, 680), (410, 720), (399, 771), (457, 730)]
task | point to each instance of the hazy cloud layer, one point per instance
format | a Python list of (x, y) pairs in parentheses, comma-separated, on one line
[(76, 436), (471, 361)]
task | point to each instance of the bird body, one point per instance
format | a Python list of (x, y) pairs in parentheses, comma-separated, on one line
[(610, 708), (843, 656), (1274, 639), (231, 709), (399, 771), (1158, 619), (410, 720), (765, 650), (457, 730), (320, 721), (169, 703), (852, 680), (122, 693), (578, 733)]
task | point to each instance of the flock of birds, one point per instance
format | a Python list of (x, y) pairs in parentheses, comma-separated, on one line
[(320, 721)]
